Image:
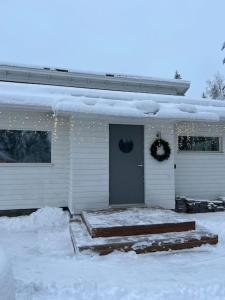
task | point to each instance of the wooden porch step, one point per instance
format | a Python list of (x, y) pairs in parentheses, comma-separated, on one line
[(136, 221), (82, 241)]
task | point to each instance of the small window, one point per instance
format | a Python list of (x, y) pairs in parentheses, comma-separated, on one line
[(21, 146), (199, 143)]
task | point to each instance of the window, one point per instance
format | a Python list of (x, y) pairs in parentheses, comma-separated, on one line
[(21, 146), (198, 143)]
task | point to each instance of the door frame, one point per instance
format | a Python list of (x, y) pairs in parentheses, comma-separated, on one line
[(127, 205)]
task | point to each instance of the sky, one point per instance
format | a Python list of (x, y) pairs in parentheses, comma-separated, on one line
[(141, 37)]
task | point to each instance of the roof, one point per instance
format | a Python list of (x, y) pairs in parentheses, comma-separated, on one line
[(103, 81), (66, 100)]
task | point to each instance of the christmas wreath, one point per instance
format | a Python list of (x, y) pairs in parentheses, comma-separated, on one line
[(160, 150)]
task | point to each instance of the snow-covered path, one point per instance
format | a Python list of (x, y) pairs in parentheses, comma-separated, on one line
[(45, 268)]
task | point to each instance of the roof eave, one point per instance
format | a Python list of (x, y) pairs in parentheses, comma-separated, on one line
[(115, 82)]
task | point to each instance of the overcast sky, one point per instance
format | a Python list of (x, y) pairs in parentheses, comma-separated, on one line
[(142, 37)]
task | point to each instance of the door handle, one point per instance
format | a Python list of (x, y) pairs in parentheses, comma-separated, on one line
[(140, 165)]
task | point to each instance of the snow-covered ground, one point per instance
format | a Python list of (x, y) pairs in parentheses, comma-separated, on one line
[(45, 267), (7, 291)]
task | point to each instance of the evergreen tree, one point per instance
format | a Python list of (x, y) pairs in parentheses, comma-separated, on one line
[(204, 95), (177, 75)]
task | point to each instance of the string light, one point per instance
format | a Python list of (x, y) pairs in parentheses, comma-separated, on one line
[(94, 128)]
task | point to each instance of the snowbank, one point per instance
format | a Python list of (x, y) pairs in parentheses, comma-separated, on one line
[(6, 279), (111, 103), (54, 273), (47, 217)]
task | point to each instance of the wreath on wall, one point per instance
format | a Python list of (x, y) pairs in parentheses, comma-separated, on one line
[(160, 150)]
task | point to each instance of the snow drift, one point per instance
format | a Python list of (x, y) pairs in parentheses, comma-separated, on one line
[(47, 217)]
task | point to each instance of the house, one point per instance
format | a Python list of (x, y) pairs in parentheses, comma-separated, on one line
[(90, 141)]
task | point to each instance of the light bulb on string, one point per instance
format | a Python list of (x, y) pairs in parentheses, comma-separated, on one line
[(55, 125)]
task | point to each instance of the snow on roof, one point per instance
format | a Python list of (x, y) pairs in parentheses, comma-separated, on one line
[(65, 100)]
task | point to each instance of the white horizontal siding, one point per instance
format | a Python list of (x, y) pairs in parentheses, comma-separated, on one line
[(159, 176), (80, 165), (33, 185), (89, 163), (201, 175)]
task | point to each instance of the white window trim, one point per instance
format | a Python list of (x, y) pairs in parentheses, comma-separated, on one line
[(26, 165)]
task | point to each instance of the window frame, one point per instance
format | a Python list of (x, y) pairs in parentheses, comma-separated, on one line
[(220, 151), (30, 164)]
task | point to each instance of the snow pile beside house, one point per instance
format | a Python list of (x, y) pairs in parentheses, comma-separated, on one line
[(111, 103), (48, 217), (6, 278)]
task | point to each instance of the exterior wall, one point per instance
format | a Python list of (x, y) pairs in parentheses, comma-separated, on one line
[(159, 176), (78, 176), (89, 144), (33, 185), (89, 163), (200, 175)]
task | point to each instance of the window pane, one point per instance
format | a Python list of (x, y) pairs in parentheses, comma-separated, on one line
[(20, 146), (198, 143)]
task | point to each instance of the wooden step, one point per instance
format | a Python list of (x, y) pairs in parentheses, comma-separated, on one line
[(82, 241), (138, 221)]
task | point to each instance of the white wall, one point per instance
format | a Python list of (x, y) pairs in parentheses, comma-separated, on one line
[(159, 176), (79, 173), (36, 185), (89, 144), (89, 162), (200, 175)]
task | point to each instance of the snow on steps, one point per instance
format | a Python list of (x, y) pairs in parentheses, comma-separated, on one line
[(82, 240), (133, 221)]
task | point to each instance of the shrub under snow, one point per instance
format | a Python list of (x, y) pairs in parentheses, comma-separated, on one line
[(46, 217), (7, 291)]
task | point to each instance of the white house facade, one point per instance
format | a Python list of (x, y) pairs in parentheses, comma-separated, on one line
[(91, 148)]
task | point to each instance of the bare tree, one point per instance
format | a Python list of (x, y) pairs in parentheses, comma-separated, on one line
[(216, 87), (223, 47)]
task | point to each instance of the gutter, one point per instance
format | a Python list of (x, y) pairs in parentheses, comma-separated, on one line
[(103, 81)]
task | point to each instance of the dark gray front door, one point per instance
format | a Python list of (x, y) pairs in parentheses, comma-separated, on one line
[(126, 164)]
